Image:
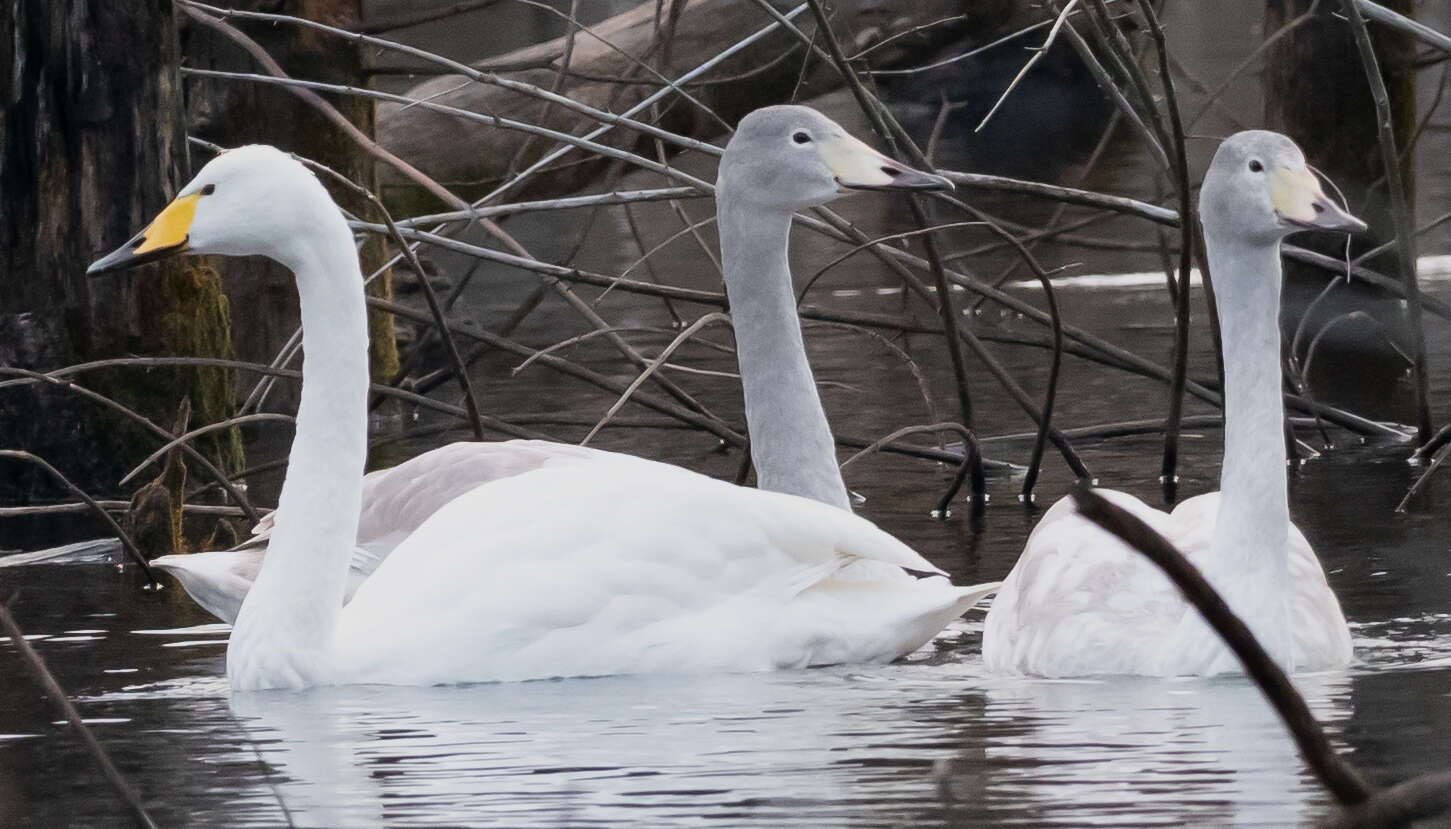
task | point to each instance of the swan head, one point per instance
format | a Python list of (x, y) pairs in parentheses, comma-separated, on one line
[(1259, 187), (251, 201), (792, 157)]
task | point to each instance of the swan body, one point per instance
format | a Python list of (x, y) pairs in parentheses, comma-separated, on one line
[(1079, 601), (565, 564), (1109, 611), (698, 575)]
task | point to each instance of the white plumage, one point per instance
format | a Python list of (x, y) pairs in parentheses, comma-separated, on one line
[(636, 566), (1080, 602), (396, 501)]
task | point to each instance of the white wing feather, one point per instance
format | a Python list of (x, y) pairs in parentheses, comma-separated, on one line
[(395, 502)]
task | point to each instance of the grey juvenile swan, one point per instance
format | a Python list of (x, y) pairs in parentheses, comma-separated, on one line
[(1078, 601)]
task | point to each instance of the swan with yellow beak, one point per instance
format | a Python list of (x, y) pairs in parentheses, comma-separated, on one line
[(599, 564)]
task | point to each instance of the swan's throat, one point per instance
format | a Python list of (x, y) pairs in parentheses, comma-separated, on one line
[(284, 630), (791, 444), (1251, 536)]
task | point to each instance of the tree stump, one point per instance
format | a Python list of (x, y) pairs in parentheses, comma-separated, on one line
[(91, 148)]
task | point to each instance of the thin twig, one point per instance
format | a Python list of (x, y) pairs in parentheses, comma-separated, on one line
[(664, 355), (126, 543), (198, 432), (53, 380), (1424, 478), (1069, 195), (892, 132), (214, 510), (1168, 471), (1395, 20), (965, 468), (1405, 228), (567, 203), (1038, 54), (417, 18)]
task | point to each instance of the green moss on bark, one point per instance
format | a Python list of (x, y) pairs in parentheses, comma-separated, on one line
[(188, 315)]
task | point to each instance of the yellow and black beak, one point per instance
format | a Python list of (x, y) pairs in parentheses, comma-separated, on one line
[(166, 235), (1301, 203), (859, 167)]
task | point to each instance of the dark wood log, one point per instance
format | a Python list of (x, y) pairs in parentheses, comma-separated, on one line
[(471, 158), (91, 147)]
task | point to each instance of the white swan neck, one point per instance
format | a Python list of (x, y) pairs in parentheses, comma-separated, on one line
[(1251, 537), (284, 630), (791, 443)]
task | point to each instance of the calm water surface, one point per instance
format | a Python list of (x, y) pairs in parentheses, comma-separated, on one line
[(929, 742), (933, 741)]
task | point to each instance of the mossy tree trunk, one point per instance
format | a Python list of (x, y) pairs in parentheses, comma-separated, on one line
[(231, 114), (1316, 92), (91, 147)]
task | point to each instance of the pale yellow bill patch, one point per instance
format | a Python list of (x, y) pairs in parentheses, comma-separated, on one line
[(853, 162), (1293, 192), (170, 226)]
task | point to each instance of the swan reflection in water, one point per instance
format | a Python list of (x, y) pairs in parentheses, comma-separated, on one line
[(1210, 751), (894, 745)]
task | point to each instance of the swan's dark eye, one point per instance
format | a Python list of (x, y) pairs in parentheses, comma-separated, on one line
[(1256, 167), (801, 138), (209, 189)]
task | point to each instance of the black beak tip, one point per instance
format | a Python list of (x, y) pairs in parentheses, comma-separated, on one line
[(125, 258), (910, 179), (905, 179), (1330, 216)]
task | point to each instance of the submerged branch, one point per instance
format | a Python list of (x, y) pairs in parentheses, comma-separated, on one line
[(46, 680)]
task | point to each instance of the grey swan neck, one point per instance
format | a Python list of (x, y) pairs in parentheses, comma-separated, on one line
[(284, 631), (791, 443), (1250, 559)]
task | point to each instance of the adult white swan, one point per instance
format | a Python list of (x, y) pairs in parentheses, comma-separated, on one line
[(1080, 602), (612, 566)]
